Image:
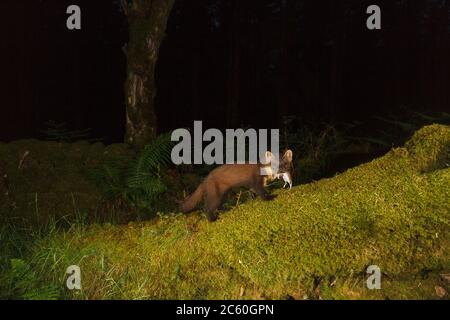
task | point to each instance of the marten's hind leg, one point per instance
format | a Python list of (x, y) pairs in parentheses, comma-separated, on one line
[(213, 202)]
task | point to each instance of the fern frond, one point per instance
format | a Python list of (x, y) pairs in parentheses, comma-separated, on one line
[(137, 182), (150, 161)]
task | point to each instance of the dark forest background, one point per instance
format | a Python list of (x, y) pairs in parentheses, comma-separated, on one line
[(229, 63)]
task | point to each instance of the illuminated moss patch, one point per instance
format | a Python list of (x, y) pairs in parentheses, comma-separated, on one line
[(314, 241)]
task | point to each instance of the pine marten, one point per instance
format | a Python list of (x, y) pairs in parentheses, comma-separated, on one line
[(222, 179)]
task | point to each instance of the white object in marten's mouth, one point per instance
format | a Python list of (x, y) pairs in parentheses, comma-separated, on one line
[(286, 178)]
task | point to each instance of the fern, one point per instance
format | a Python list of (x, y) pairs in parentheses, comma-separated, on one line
[(148, 164), (442, 117), (399, 127), (138, 183), (58, 132), (109, 177), (405, 126)]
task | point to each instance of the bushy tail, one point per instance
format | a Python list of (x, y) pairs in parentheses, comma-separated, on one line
[(190, 203)]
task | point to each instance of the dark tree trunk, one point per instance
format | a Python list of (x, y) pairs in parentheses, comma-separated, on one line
[(147, 21)]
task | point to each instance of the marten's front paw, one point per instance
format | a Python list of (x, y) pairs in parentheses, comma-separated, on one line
[(270, 197), (211, 217)]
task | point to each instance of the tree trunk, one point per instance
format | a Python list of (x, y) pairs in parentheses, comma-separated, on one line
[(147, 20)]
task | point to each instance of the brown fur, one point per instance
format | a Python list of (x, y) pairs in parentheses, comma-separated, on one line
[(222, 179)]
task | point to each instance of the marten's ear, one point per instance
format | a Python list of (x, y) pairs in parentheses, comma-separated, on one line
[(288, 156), (268, 157)]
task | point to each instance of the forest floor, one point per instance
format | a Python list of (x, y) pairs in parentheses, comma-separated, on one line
[(314, 241)]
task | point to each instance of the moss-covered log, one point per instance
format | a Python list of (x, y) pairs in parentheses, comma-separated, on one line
[(147, 21), (313, 241)]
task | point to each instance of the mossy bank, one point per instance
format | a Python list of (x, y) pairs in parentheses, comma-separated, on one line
[(44, 179), (314, 241)]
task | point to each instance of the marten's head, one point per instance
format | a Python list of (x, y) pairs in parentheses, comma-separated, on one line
[(285, 171), (284, 166), (286, 163)]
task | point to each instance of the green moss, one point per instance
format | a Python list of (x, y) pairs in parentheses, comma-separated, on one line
[(430, 148), (392, 212), (48, 179)]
